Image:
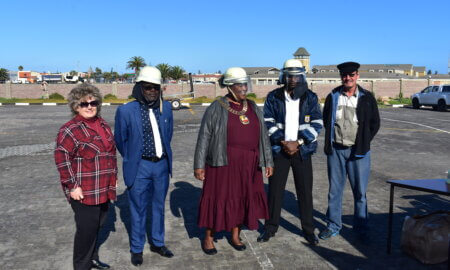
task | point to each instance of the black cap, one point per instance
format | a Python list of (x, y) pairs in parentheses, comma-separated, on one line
[(348, 67)]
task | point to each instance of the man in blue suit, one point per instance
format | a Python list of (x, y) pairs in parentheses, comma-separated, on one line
[(143, 131)]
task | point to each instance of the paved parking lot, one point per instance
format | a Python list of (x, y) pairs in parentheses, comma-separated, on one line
[(37, 227)]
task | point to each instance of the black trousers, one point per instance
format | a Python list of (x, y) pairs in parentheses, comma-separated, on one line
[(88, 220), (303, 180)]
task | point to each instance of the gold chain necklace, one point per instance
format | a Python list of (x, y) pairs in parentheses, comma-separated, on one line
[(244, 119)]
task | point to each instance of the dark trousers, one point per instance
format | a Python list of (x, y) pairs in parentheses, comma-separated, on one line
[(303, 180), (88, 220)]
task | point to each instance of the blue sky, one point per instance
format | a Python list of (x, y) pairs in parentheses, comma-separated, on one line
[(64, 35)]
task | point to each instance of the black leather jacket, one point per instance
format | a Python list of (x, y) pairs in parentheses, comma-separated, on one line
[(212, 138)]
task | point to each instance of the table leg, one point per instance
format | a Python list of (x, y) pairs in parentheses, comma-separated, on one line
[(391, 203)]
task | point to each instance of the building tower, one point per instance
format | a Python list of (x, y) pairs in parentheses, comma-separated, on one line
[(303, 55)]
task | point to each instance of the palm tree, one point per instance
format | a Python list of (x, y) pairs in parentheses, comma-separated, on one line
[(165, 70), (4, 76), (20, 68), (177, 72), (107, 76), (136, 62)]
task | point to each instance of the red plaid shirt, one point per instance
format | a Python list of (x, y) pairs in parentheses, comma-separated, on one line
[(84, 161)]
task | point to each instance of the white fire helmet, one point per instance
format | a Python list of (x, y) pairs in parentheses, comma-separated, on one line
[(235, 75), (292, 67), (149, 74)]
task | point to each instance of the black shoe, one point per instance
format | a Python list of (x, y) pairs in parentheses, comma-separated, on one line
[(238, 247), (211, 251), (265, 236), (136, 258), (312, 239), (163, 251), (99, 265)]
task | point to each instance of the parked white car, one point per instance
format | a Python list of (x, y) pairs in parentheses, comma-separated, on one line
[(437, 96)]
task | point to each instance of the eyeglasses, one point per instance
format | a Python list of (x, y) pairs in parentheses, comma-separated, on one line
[(93, 103), (351, 75), (149, 87)]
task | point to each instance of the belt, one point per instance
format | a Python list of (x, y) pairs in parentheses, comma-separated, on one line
[(340, 146), (154, 159)]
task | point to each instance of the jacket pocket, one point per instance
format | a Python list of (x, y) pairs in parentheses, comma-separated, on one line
[(87, 150)]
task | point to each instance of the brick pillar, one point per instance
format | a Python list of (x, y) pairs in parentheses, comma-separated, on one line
[(114, 88), (8, 89)]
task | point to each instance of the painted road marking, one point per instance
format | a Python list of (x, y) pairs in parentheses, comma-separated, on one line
[(434, 119), (413, 123), (416, 130), (260, 255)]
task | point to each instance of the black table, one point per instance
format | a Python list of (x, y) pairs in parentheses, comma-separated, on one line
[(436, 186)]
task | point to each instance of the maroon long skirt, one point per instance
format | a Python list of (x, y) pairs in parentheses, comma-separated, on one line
[(234, 194)]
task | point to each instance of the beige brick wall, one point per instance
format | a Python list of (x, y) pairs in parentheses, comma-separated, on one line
[(382, 88)]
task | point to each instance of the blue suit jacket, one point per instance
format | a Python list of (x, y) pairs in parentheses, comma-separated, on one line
[(128, 135)]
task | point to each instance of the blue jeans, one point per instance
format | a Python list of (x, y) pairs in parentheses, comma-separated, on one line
[(151, 184), (342, 163)]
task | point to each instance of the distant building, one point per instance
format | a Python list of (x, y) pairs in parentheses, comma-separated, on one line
[(24, 76), (13, 76), (303, 55), (381, 69), (263, 75), (52, 78)]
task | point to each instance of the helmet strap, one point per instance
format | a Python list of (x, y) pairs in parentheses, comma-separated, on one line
[(233, 94)]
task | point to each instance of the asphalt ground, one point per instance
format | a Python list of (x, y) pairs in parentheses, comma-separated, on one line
[(37, 226)]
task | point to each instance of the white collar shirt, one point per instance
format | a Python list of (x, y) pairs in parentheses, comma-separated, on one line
[(292, 115), (156, 135)]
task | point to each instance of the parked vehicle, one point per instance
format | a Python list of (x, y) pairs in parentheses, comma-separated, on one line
[(71, 79), (437, 96)]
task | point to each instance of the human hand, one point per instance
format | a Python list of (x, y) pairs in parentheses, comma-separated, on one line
[(269, 172), (77, 194), (290, 147), (199, 174)]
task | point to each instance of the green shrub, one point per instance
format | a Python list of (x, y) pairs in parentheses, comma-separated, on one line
[(109, 96), (400, 101), (56, 96), (130, 97), (251, 95)]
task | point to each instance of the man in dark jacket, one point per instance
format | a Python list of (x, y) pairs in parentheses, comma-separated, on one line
[(351, 121), (294, 120)]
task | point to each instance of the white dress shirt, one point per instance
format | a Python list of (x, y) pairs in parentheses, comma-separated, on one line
[(156, 135), (291, 121)]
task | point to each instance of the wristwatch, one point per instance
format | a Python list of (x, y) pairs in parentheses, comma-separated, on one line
[(300, 142)]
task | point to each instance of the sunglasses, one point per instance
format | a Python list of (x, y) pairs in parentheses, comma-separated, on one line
[(93, 103), (149, 87), (351, 75)]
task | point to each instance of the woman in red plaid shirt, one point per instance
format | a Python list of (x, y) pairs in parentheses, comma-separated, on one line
[(85, 157)]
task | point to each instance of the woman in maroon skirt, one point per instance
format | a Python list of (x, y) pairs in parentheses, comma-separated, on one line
[(232, 148)]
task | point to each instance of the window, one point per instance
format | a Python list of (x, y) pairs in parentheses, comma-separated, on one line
[(322, 70), (371, 70), (380, 70), (331, 70), (390, 71), (446, 89), (426, 90)]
